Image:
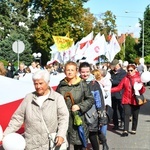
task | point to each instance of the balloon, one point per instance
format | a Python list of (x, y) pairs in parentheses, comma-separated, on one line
[(141, 60), (13, 141), (1, 133), (145, 77), (125, 63), (137, 86)]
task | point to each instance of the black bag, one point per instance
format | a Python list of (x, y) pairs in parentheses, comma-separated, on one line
[(91, 116), (140, 99), (109, 112)]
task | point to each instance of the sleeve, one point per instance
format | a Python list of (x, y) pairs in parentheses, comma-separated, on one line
[(63, 117), (117, 80), (119, 87), (17, 118)]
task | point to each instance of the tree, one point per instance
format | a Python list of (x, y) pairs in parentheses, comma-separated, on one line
[(105, 23), (36, 21), (58, 18), (146, 33), (14, 26), (130, 51), (8, 54)]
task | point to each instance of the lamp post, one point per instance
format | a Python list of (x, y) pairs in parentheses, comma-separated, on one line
[(143, 40), (142, 33), (37, 56)]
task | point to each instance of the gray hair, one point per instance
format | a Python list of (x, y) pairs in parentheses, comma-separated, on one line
[(41, 74), (103, 72)]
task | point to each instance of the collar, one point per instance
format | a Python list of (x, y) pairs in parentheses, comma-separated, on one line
[(50, 97)]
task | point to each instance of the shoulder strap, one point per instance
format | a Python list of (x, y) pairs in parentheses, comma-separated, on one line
[(49, 136)]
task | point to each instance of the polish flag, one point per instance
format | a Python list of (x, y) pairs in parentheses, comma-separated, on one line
[(12, 93)]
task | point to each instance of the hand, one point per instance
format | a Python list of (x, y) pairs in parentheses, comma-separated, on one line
[(59, 140), (137, 86), (75, 108)]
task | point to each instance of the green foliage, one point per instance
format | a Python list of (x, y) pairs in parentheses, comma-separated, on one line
[(147, 59), (54, 18), (8, 54), (146, 28), (121, 54), (130, 51)]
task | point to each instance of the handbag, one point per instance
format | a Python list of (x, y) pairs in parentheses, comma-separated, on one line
[(52, 137), (94, 115), (109, 112), (140, 99), (91, 116)]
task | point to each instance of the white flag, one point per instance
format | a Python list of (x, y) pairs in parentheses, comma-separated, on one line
[(112, 48), (89, 37), (57, 57), (80, 53), (97, 48), (53, 48), (97, 36)]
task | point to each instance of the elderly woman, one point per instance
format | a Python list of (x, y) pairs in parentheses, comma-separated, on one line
[(43, 112), (82, 102)]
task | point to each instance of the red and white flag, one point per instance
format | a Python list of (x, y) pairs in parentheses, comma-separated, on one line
[(12, 93), (97, 48), (86, 39)]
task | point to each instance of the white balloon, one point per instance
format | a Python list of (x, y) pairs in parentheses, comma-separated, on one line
[(141, 60), (14, 141), (125, 63), (1, 133), (145, 77)]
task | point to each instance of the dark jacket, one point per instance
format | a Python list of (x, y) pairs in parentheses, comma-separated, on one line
[(99, 102), (10, 71), (83, 99), (128, 95), (116, 79), (20, 72)]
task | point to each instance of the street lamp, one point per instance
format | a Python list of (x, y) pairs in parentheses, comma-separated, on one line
[(142, 33), (37, 56), (143, 40)]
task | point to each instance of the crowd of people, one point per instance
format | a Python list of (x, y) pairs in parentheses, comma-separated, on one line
[(74, 96)]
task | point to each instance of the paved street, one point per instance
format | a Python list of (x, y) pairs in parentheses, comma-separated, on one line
[(140, 141)]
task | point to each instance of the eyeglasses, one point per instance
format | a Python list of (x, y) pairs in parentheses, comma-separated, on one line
[(130, 70)]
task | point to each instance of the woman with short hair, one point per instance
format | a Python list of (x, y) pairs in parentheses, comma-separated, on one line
[(80, 101), (129, 103)]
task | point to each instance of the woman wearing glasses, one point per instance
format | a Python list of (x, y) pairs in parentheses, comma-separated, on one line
[(128, 100)]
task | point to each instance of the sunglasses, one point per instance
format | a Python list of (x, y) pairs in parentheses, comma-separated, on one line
[(130, 70)]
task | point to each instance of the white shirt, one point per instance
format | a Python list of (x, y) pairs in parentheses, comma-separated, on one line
[(41, 99), (106, 85)]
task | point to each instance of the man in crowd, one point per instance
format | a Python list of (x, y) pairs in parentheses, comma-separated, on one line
[(117, 74)]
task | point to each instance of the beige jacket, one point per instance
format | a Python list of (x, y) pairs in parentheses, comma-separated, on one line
[(55, 114)]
